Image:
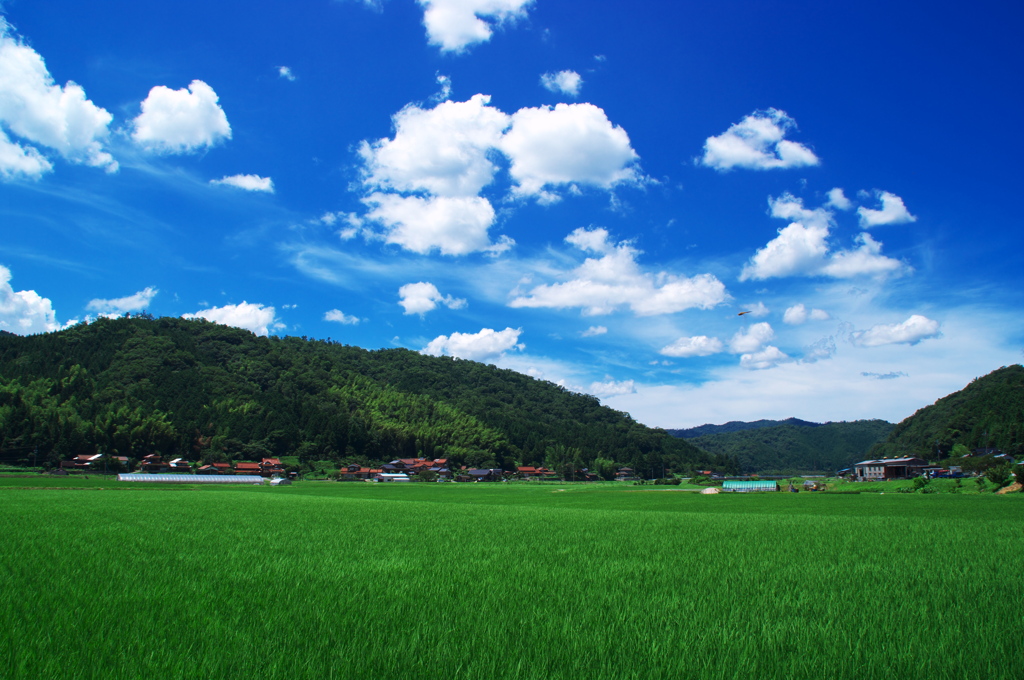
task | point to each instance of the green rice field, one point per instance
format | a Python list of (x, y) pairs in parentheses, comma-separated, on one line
[(336, 580)]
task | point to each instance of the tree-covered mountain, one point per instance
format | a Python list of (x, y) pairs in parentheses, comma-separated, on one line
[(191, 388), (795, 446), (737, 426), (988, 413)]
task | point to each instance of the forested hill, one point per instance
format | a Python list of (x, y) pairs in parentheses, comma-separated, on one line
[(738, 426), (796, 448), (132, 386), (988, 413)]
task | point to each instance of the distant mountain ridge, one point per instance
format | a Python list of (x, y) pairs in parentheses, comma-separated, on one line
[(737, 426), (987, 413), (791, 446)]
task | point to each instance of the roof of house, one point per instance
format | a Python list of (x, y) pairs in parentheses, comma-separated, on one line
[(271, 461), (894, 461)]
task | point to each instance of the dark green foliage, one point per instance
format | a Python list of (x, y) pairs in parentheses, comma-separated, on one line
[(988, 413), (133, 386), (791, 448), (999, 475), (738, 426)]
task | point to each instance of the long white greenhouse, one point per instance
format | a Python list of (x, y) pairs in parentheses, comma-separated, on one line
[(191, 479)]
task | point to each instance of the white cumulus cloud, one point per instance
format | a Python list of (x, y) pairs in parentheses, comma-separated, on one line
[(798, 314), (611, 388), (119, 306), (21, 161), (865, 260), (797, 250), (443, 150), (751, 339), (425, 181), (454, 25), (803, 249), (769, 357), (487, 344), (286, 73), (594, 331), (696, 346), (893, 211), (250, 316), (565, 82), (838, 200), (420, 298), (24, 312), (910, 332), (758, 310), (37, 110), (247, 182), (181, 121), (452, 225), (757, 143), (613, 279), (341, 317), (564, 145)]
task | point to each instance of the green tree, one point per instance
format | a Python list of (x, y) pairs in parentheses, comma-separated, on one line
[(605, 468), (999, 475)]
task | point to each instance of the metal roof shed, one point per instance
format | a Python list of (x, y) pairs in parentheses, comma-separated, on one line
[(751, 485)]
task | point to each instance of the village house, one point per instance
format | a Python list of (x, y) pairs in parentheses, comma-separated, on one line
[(413, 466), (889, 468), (356, 472), (484, 475), (153, 463), (81, 462), (247, 468), (215, 469), (624, 473), (531, 472), (271, 466)]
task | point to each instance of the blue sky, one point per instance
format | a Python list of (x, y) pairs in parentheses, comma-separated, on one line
[(589, 193)]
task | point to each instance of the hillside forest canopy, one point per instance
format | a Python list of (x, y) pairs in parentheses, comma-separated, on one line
[(986, 414), (137, 385)]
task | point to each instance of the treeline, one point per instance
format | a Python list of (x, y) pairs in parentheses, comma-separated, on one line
[(988, 413), (794, 448), (191, 388)]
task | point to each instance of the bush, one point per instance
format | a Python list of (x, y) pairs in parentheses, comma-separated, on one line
[(999, 475)]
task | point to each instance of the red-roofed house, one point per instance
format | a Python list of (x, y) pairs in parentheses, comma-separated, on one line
[(180, 465), (81, 462), (271, 466), (153, 463)]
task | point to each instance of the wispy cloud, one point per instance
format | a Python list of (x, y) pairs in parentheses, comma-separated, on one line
[(129, 303), (247, 182)]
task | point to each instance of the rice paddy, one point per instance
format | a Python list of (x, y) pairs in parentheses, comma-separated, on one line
[(334, 580)]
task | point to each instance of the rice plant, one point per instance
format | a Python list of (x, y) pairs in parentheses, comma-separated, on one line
[(325, 580)]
